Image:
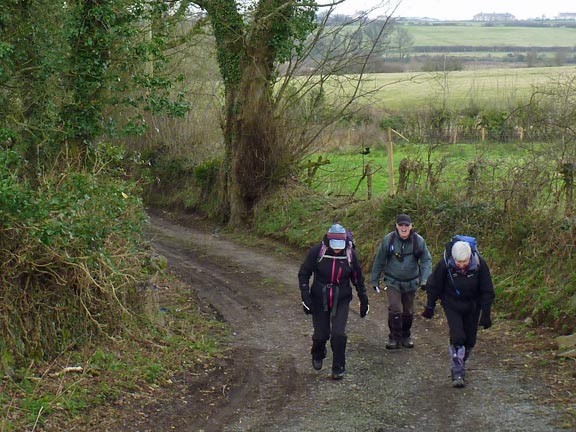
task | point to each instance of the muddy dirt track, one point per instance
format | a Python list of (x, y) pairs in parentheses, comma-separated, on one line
[(268, 384)]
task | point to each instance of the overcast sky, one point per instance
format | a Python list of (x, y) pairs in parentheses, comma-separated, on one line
[(465, 9)]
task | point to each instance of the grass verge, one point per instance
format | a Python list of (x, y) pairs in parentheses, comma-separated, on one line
[(172, 336)]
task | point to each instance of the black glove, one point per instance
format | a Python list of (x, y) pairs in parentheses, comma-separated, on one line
[(364, 306), (485, 318), (307, 304), (428, 312)]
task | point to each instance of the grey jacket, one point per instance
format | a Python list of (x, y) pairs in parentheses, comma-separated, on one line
[(401, 269)]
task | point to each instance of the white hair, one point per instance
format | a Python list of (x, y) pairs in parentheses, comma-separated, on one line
[(461, 251)]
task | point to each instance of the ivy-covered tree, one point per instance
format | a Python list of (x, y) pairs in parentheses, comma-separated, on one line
[(66, 66), (251, 40), (31, 55)]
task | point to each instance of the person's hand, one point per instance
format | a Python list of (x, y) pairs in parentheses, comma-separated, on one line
[(423, 287), (364, 306), (308, 308), (376, 288), (307, 304), (428, 312), (485, 318)]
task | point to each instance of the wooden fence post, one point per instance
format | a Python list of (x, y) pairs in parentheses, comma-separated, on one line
[(368, 171), (391, 162)]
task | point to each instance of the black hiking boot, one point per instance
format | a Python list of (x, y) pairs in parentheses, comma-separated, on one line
[(407, 342), (458, 382), (317, 364), (338, 373), (395, 326)]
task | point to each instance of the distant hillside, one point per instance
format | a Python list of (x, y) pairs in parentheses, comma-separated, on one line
[(413, 45), (462, 45), (485, 35)]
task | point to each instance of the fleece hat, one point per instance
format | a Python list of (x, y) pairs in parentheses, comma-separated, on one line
[(461, 251), (337, 236), (404, 218)]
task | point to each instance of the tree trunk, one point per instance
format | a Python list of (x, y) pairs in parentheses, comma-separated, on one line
[(251, 142), (247, 51)]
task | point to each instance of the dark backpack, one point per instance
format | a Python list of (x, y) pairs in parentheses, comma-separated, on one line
[(416, 251)]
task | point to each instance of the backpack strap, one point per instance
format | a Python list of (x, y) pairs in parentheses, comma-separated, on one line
[(347, 256), (322, 251), (416, 251), (391, 244), (416, 245)]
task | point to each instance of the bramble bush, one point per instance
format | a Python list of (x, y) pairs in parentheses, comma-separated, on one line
[(71, 257)]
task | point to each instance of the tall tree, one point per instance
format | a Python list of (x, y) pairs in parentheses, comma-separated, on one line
[(65, 66), (31, 53), (252, 39), (250, 43)]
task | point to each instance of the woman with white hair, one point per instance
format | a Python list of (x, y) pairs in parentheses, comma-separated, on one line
[(463, 283)]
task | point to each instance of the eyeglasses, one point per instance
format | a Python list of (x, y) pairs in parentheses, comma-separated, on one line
[(403, 224)]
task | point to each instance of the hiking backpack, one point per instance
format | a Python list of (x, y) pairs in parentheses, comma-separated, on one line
[(448, 254), (416, 251)]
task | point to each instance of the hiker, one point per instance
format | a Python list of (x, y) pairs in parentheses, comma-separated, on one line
[(406, 263), (462, 282), (334, 264)]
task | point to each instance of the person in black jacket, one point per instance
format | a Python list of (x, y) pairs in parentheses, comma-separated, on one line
[(335, 265), (463, 283)]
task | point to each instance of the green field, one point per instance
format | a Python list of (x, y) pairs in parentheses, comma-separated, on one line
[(477, 35), (486, 87), (344, 173)]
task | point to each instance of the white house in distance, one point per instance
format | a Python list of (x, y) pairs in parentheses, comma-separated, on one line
[(494, 17)]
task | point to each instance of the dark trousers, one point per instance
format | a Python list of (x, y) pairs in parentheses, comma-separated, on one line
[(334, 328), (400, 303), (463, 326)]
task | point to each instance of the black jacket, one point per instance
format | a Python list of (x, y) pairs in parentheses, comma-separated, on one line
[(461, 291), (331, 269)]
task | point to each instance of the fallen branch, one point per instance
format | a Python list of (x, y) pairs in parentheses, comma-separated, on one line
[(68, 369)]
